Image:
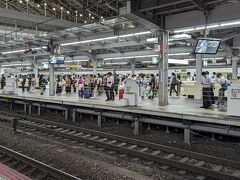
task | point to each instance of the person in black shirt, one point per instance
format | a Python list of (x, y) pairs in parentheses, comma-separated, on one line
[(3, 81)]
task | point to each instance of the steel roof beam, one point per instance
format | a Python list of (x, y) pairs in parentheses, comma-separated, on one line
[(199, 5), (164, 5)]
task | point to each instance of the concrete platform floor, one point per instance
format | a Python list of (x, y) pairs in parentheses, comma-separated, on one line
[(179, 105)]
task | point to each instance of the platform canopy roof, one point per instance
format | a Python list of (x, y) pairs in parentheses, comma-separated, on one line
[(67, 9), (121, 29)]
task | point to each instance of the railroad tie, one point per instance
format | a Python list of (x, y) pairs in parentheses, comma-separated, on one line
[(169, 156), (112, 142), (218, 168), (79, 134), (40, 125), (182, 172), (164, 167), (200, 163), (94, 138), (88, 135), (183, 160), (236, 173), (132, 147), (72, 132), (64, 131), (122, 144), (200, 177), (102, 140), (156, 153), (144, 149), (30, 171), (59, 129)]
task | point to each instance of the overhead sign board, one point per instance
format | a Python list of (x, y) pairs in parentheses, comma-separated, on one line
[(154, 60)]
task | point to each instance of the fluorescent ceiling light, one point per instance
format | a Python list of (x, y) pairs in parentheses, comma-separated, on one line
[(210, 26), (11, 52), (81, 60), (130, 57), (213, 58), (9, 65), (106, 38), (143, 56), (116, 63), (178, 61), (145, 62), (135, 34), (230, 23), (179, 37), (179, 54), (152, 40)]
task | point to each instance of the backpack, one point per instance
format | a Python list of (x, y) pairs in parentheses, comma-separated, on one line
[(225, 86), (174, 81)]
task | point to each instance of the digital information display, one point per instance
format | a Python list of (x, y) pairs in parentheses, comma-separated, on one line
[(56, 59), (207, 46)]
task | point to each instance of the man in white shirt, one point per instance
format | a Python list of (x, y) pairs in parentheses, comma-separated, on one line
[(189, 77), (206, 82), (211, 87), (109, 87)]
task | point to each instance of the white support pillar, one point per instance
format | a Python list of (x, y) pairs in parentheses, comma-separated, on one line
[(51, 80), (234, 67), (199, 65), (94, 63), (133, 63), (35, 66), (36, 72), (163, 68)]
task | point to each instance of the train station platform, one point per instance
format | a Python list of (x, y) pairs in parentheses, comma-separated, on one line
[(180, 113)]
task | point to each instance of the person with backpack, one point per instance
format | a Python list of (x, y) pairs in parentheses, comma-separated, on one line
[(222, 81), (173, 84)]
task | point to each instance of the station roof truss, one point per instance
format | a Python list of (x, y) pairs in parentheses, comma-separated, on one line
[(95, 38), (85, 10), (168, 7)]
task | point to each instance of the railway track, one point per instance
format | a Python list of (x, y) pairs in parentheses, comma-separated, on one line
[(204, 166), (31, 167)]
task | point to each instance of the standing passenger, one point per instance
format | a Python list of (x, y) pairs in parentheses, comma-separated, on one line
[(80, 87), (173, 84), (222, 81), (206, 82), (211, 88), (3, 81), (42, 84)]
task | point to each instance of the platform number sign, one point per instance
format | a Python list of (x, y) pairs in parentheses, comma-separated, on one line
[(205, 63), (154, 60)]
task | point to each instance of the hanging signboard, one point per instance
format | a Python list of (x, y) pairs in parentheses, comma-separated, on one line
[(154, 60)]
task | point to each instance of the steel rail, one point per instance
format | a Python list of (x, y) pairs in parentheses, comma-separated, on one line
[(94, 137), (39, 165)]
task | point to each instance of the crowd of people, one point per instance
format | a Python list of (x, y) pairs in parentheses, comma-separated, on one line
[(87, 86), (90, 85)]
